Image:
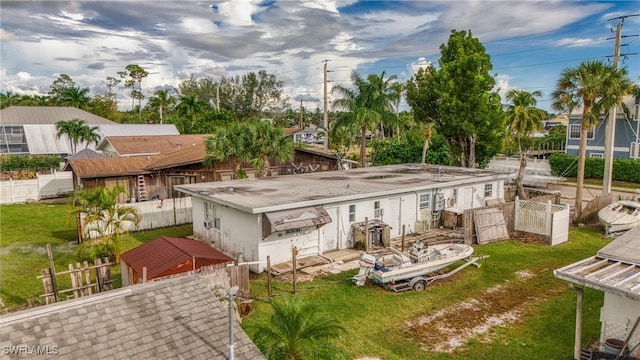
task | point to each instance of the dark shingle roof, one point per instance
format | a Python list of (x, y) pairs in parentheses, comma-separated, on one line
[(47, 115), (178, 318)]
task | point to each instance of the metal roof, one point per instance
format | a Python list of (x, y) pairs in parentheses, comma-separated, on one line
[(43, 139), (311, 189), (47, 115), (164, 253), (615, 268), (137, 129)]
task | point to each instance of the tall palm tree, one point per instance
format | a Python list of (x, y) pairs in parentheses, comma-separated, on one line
[(77, 131), (523, 118), (76, 97), (397, 91), (268, 142), (298, 331), (190, 106), (383, 91), (161, 101), (366, 105), (596, 87)]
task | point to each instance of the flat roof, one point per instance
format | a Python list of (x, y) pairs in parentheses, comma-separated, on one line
[(261, 195)]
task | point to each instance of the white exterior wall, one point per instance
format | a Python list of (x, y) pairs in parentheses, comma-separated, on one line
[(618, 315)]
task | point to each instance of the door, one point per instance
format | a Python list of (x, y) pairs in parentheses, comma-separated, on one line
[(394, 216), (330, 231)]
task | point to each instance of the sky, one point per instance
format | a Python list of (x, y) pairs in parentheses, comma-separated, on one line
[(530, 42)]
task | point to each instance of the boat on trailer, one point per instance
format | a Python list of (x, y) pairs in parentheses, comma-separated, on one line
[(620, 216), (399, 271)]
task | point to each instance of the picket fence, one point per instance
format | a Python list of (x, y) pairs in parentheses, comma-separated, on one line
[(43, 186)]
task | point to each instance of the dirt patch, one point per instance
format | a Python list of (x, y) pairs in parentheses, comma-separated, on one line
[(530, 238), (503, 304)]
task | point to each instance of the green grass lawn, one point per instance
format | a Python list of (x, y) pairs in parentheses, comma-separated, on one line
[(376, 319), (26, 229)]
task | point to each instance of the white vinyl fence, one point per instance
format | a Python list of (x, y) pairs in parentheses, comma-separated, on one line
[(43, 186), (156, 214), (544, 219)]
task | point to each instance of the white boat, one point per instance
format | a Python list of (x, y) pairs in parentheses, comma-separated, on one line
[(620, 216), (421, 260)]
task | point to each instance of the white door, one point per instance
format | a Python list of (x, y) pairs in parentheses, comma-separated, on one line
[(330, 231), (394, 216), (465, 198)]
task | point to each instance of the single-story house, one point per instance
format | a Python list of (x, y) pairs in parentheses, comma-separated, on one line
[(614, 270), (178, 318), (314, 212), (166, 256), (627, 131), (157, 175)]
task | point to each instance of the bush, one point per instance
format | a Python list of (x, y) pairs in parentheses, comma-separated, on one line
[(11, 162), (623, 169)]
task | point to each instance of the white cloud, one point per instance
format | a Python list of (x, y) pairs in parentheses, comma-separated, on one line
[(239, 12), (573, 42), (6, 35)]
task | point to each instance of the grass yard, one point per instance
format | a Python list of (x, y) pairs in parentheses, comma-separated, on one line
[(536, 311), (26, 229), (533, 313)]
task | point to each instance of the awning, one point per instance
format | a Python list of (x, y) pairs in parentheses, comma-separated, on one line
[(298, 218)]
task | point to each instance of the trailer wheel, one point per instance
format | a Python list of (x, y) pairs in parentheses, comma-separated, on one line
[(420, 285)]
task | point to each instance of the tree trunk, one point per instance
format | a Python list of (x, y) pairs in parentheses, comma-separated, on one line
[(582, 154), (363, 146), (519, 179), (425, 146), (472, 151), (463, 152), (266, 167), (160, 114)]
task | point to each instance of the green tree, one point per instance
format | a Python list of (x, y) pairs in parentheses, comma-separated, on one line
[(76, 97), (424, 102), (190, 107), (77, 131), (58, 88), (596, 87), (523, 118), (461, 101), (298, 331), (365, 104), (133, 75), (102, 215), (161, 102)]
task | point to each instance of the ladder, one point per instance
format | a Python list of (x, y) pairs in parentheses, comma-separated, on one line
[(142, 189)]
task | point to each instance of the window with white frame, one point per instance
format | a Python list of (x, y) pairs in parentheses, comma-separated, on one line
[(574, 132), (425, 201), (377, 211), (596, 155), (488, 190), (352, 213), (212, 214)]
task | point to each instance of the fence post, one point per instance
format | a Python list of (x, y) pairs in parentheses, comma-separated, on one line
[(87, 278), (294, 250), (50, 294), (11, 189), (99, 277), (269, 275), (38, 185), (74, 282), (52, 271), (516, 214), (548, 218)]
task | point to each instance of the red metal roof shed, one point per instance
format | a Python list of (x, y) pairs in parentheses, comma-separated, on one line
[(167, 256)]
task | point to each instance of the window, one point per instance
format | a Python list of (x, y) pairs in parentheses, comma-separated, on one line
[(352, 213), (425, 201), (574, 132), (377, 211), (488, 190), (212, 212), (596, 155)]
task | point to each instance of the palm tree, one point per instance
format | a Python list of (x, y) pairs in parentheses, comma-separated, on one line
[(365, 103), (268, 142), (596, 87), (524, 118), (161, 100), (76, 97), (396, 91), (77, 131), (100, 213), (383, 91), (190, 106), (228, 144), (298, 331)]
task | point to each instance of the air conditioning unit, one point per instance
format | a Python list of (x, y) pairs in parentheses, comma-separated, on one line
[(208, 224)]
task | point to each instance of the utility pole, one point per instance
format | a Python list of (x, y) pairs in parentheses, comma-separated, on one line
[(326, 114), (610, 129)]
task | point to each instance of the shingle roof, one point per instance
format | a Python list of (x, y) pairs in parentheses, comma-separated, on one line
[(105, 167), (135, 145), (191, 154), (164, 253), (178, 318), (47, 115)]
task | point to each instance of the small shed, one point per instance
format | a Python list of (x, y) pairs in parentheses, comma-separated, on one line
[(167, 256), (614, 270), (371, 234)]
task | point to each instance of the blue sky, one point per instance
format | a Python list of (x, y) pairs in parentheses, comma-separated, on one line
[(530, 42)]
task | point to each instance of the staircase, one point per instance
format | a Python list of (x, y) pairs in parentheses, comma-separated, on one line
[(142, 189)]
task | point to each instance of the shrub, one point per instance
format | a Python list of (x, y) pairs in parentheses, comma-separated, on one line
[(623, 169)]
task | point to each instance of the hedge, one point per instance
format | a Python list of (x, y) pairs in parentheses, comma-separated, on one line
[(11, 162), (623, 169)]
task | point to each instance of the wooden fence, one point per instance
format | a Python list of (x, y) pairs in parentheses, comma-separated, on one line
[(43, 186), (83, 282)]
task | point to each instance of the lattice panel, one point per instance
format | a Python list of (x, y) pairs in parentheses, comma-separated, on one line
[(615, 330), (534, 206)]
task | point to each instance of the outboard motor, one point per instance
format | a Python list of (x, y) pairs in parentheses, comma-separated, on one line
[(367, 262)]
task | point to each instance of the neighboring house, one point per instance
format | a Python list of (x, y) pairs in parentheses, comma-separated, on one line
[(178, 318), (614, 270), (157, 175), (166, 256), (315, 212), (124, 146), (626, 143), (31, 129)]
